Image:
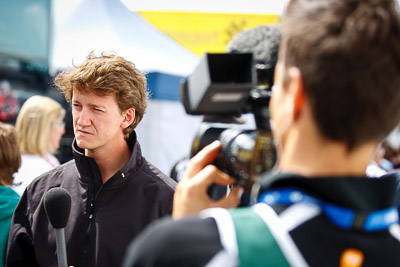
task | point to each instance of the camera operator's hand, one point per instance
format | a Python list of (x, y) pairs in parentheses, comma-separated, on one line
[(191, 193)]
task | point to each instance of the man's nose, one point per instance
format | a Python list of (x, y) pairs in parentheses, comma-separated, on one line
[(84, 117)]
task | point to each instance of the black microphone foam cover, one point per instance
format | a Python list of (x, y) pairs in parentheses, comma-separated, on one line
[(57, 203)]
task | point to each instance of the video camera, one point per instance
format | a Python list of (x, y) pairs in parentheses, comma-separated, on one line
[(222, 88)]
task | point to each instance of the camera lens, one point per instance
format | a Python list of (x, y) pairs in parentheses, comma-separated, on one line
[(237, 152)]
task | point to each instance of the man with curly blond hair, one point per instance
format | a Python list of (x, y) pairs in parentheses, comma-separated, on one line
[(115, 191)]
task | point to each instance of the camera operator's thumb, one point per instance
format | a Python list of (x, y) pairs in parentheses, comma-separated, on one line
[(232, 200), (191, 195)]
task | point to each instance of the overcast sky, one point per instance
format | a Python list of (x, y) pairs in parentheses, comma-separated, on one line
[(235, 6), (63, 8)]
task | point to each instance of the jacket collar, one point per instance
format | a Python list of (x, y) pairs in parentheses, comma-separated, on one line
[(88, 169), (359, 193)]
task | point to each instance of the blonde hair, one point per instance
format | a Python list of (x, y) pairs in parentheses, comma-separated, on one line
[(108, 74), (34, 123), (10, 156)]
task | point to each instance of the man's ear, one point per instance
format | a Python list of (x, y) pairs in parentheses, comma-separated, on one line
[(129, 118), (297, 90)]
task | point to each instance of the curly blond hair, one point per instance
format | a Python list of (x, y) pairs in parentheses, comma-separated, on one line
[(108, 74)]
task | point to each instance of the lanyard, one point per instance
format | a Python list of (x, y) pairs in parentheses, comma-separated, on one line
[(340, 216)]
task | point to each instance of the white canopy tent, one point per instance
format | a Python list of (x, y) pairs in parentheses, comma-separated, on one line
[(107, 25)]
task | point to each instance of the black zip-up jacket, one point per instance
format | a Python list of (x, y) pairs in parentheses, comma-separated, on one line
[(104, 218)]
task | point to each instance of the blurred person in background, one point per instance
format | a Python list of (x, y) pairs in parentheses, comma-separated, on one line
[(391, 145), (8, 103), (40, 126), (10, 161), (374, 169)]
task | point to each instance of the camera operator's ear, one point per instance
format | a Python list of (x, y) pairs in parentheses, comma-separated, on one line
[(129, 117), (297, 91)]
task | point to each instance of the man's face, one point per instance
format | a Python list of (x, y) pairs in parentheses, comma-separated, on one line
[(97, 121)]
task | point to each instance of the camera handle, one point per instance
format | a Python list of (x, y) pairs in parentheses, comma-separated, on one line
[(258, 104), (265, 151)]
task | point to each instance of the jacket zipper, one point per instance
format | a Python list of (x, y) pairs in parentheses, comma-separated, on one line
[(91, 215), (91, 210)]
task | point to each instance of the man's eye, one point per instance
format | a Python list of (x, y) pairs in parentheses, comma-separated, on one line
[(98, 109)]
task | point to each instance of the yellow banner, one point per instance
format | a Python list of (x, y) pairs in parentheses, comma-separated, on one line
[(202, 32)]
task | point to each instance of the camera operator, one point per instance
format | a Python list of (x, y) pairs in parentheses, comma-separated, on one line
[(335, 97)]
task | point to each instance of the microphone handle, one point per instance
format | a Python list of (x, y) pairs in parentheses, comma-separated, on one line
[(61, 249)]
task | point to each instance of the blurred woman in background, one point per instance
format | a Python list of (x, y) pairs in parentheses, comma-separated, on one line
[(40, 126), (10, 161)]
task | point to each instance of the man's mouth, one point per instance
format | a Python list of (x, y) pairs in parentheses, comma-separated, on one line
[(83, 132)]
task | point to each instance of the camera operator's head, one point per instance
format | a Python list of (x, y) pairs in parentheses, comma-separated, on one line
[(345, 58)]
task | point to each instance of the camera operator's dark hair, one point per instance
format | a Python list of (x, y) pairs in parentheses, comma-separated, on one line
[(348, 52)]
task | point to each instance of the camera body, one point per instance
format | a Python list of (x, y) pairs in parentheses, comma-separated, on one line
[(222, 88)]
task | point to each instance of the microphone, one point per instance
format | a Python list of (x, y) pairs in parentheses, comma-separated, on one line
[(57, 204)]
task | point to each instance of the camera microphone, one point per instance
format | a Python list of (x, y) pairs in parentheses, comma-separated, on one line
[(57, 204)]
